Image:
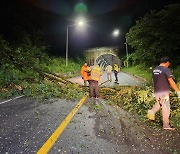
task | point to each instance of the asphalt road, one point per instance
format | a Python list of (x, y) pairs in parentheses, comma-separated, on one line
[(26, 125), (124, 80)]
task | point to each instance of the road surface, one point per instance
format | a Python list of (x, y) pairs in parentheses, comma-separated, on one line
[(124, 80), (26, 125)]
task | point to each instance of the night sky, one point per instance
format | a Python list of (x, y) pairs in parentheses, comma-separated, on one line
[(53, 16)]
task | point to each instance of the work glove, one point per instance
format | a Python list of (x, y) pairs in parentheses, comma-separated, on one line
[(178, 93)]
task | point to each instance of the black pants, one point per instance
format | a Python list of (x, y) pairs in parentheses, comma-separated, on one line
[(116, 75)]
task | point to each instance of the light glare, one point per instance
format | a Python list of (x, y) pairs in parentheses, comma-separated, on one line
[(116, 32), (81, 23)]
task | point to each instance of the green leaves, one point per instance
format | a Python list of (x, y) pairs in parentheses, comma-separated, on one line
[(18, 63), (156, 35), (140, 100)]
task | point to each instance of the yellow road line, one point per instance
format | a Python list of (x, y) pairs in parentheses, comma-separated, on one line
[(52, 139)]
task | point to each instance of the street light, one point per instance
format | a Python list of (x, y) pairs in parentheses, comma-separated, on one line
[(116, 34), (80, 23)]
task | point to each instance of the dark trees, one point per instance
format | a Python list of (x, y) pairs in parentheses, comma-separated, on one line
[(156, 35)]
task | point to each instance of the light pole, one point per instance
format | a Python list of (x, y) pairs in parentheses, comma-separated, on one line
[(67, 31), (80, 23), (116, 34)]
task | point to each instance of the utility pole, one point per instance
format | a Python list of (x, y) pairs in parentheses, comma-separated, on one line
[(67, 47), (127, 56)]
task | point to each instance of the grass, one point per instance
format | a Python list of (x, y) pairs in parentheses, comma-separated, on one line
[(146, 73), (140, 71)]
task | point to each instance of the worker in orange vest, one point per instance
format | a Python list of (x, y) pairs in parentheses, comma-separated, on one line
[(95, 76), (85, 73)]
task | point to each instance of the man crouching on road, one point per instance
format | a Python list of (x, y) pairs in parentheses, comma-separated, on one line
[(162, 78), (95, 76)]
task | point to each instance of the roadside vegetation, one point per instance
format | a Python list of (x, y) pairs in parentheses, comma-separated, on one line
[(153, 36), (156, 35), (27, 69), (140, 71), (146, 73), (26, 65), (138, 100)]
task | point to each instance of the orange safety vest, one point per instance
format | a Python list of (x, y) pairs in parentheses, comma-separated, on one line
[(96, 73), (85, 72)]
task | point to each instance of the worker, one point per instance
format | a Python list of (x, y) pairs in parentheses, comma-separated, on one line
[(116, 71), (85, 73), (95, 76), (109, 72), (162, 78)]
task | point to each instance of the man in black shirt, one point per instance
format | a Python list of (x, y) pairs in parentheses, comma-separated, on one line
[(162, 78)]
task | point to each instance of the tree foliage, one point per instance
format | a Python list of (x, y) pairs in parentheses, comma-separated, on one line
[(139, 100), (27, 62), (155, 35)]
